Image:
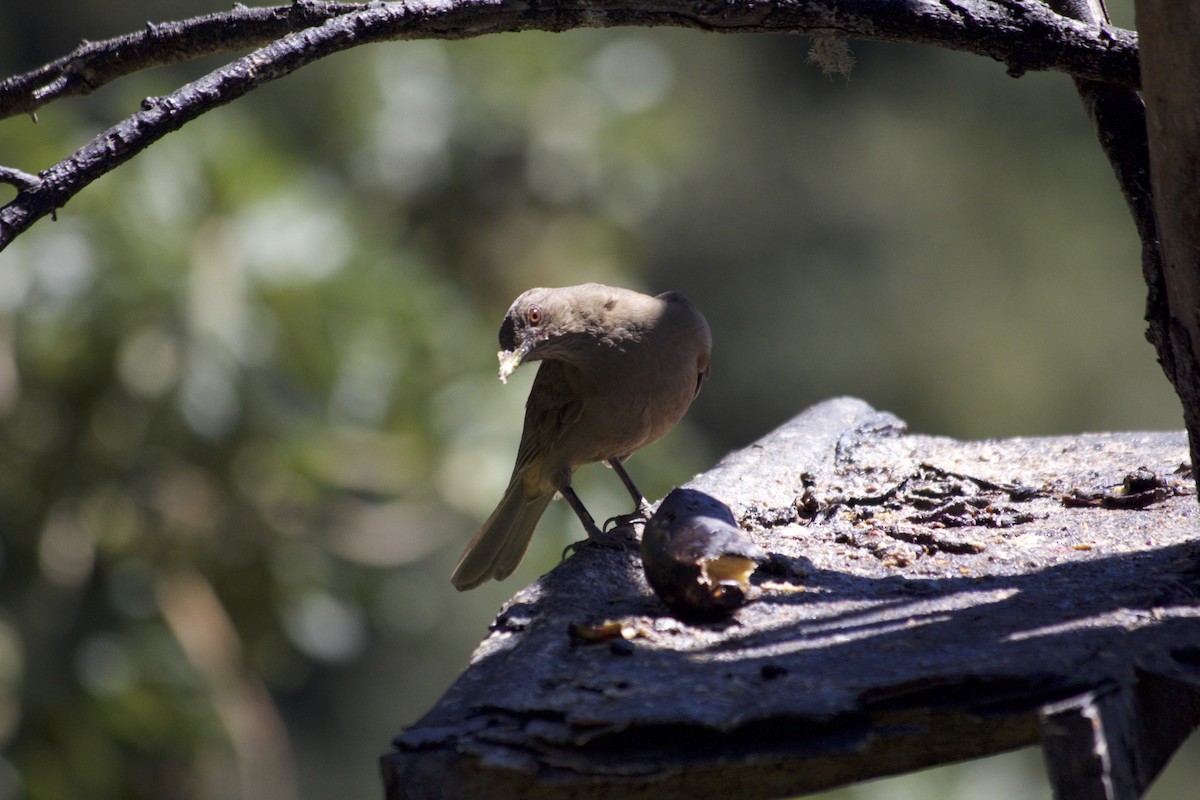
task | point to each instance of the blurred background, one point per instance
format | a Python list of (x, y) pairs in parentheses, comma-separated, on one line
[(248, 407)]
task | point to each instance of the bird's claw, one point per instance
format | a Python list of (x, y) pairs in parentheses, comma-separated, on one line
[(573, 548), (627, 520), (615, 539)]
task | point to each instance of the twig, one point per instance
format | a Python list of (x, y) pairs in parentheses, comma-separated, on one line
[(19, 178)]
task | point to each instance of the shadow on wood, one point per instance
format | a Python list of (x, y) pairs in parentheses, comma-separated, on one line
[(926, 601)]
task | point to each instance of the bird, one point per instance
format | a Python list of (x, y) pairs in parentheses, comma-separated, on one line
[(618, 370)]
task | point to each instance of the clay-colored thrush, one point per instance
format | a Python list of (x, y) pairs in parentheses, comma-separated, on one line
[(619, 369)]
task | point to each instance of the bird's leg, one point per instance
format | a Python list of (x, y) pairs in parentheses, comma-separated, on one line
[(594, 534), (643, 511), (589, 524)]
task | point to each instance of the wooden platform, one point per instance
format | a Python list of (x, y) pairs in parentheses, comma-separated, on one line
[(927, 601)]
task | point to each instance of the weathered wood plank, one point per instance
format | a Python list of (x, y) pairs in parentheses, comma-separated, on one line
[(927, 600)]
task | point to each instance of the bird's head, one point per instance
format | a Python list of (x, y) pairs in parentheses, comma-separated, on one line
[(542, 323)]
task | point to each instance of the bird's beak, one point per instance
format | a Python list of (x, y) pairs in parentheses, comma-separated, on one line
[(511, 359)]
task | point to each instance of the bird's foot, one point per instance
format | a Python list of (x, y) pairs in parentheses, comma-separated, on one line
[(642, 515), (618, 538)]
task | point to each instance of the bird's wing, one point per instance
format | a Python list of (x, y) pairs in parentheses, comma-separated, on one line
[(554, 405)]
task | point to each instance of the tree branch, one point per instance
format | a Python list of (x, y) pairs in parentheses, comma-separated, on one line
[(1023, 34), (1020, 33), (95, 64)]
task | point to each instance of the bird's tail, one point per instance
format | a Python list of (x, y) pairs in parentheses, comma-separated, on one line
[(501, 542)]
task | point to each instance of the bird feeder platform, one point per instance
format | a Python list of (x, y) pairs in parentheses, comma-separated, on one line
[(925, 601)]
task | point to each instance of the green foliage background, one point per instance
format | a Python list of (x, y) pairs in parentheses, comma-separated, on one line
[(248, 414)]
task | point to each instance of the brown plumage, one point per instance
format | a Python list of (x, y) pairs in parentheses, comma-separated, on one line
[(619, 369)]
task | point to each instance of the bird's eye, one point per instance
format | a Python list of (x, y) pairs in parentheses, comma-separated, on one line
[(534, 315)]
